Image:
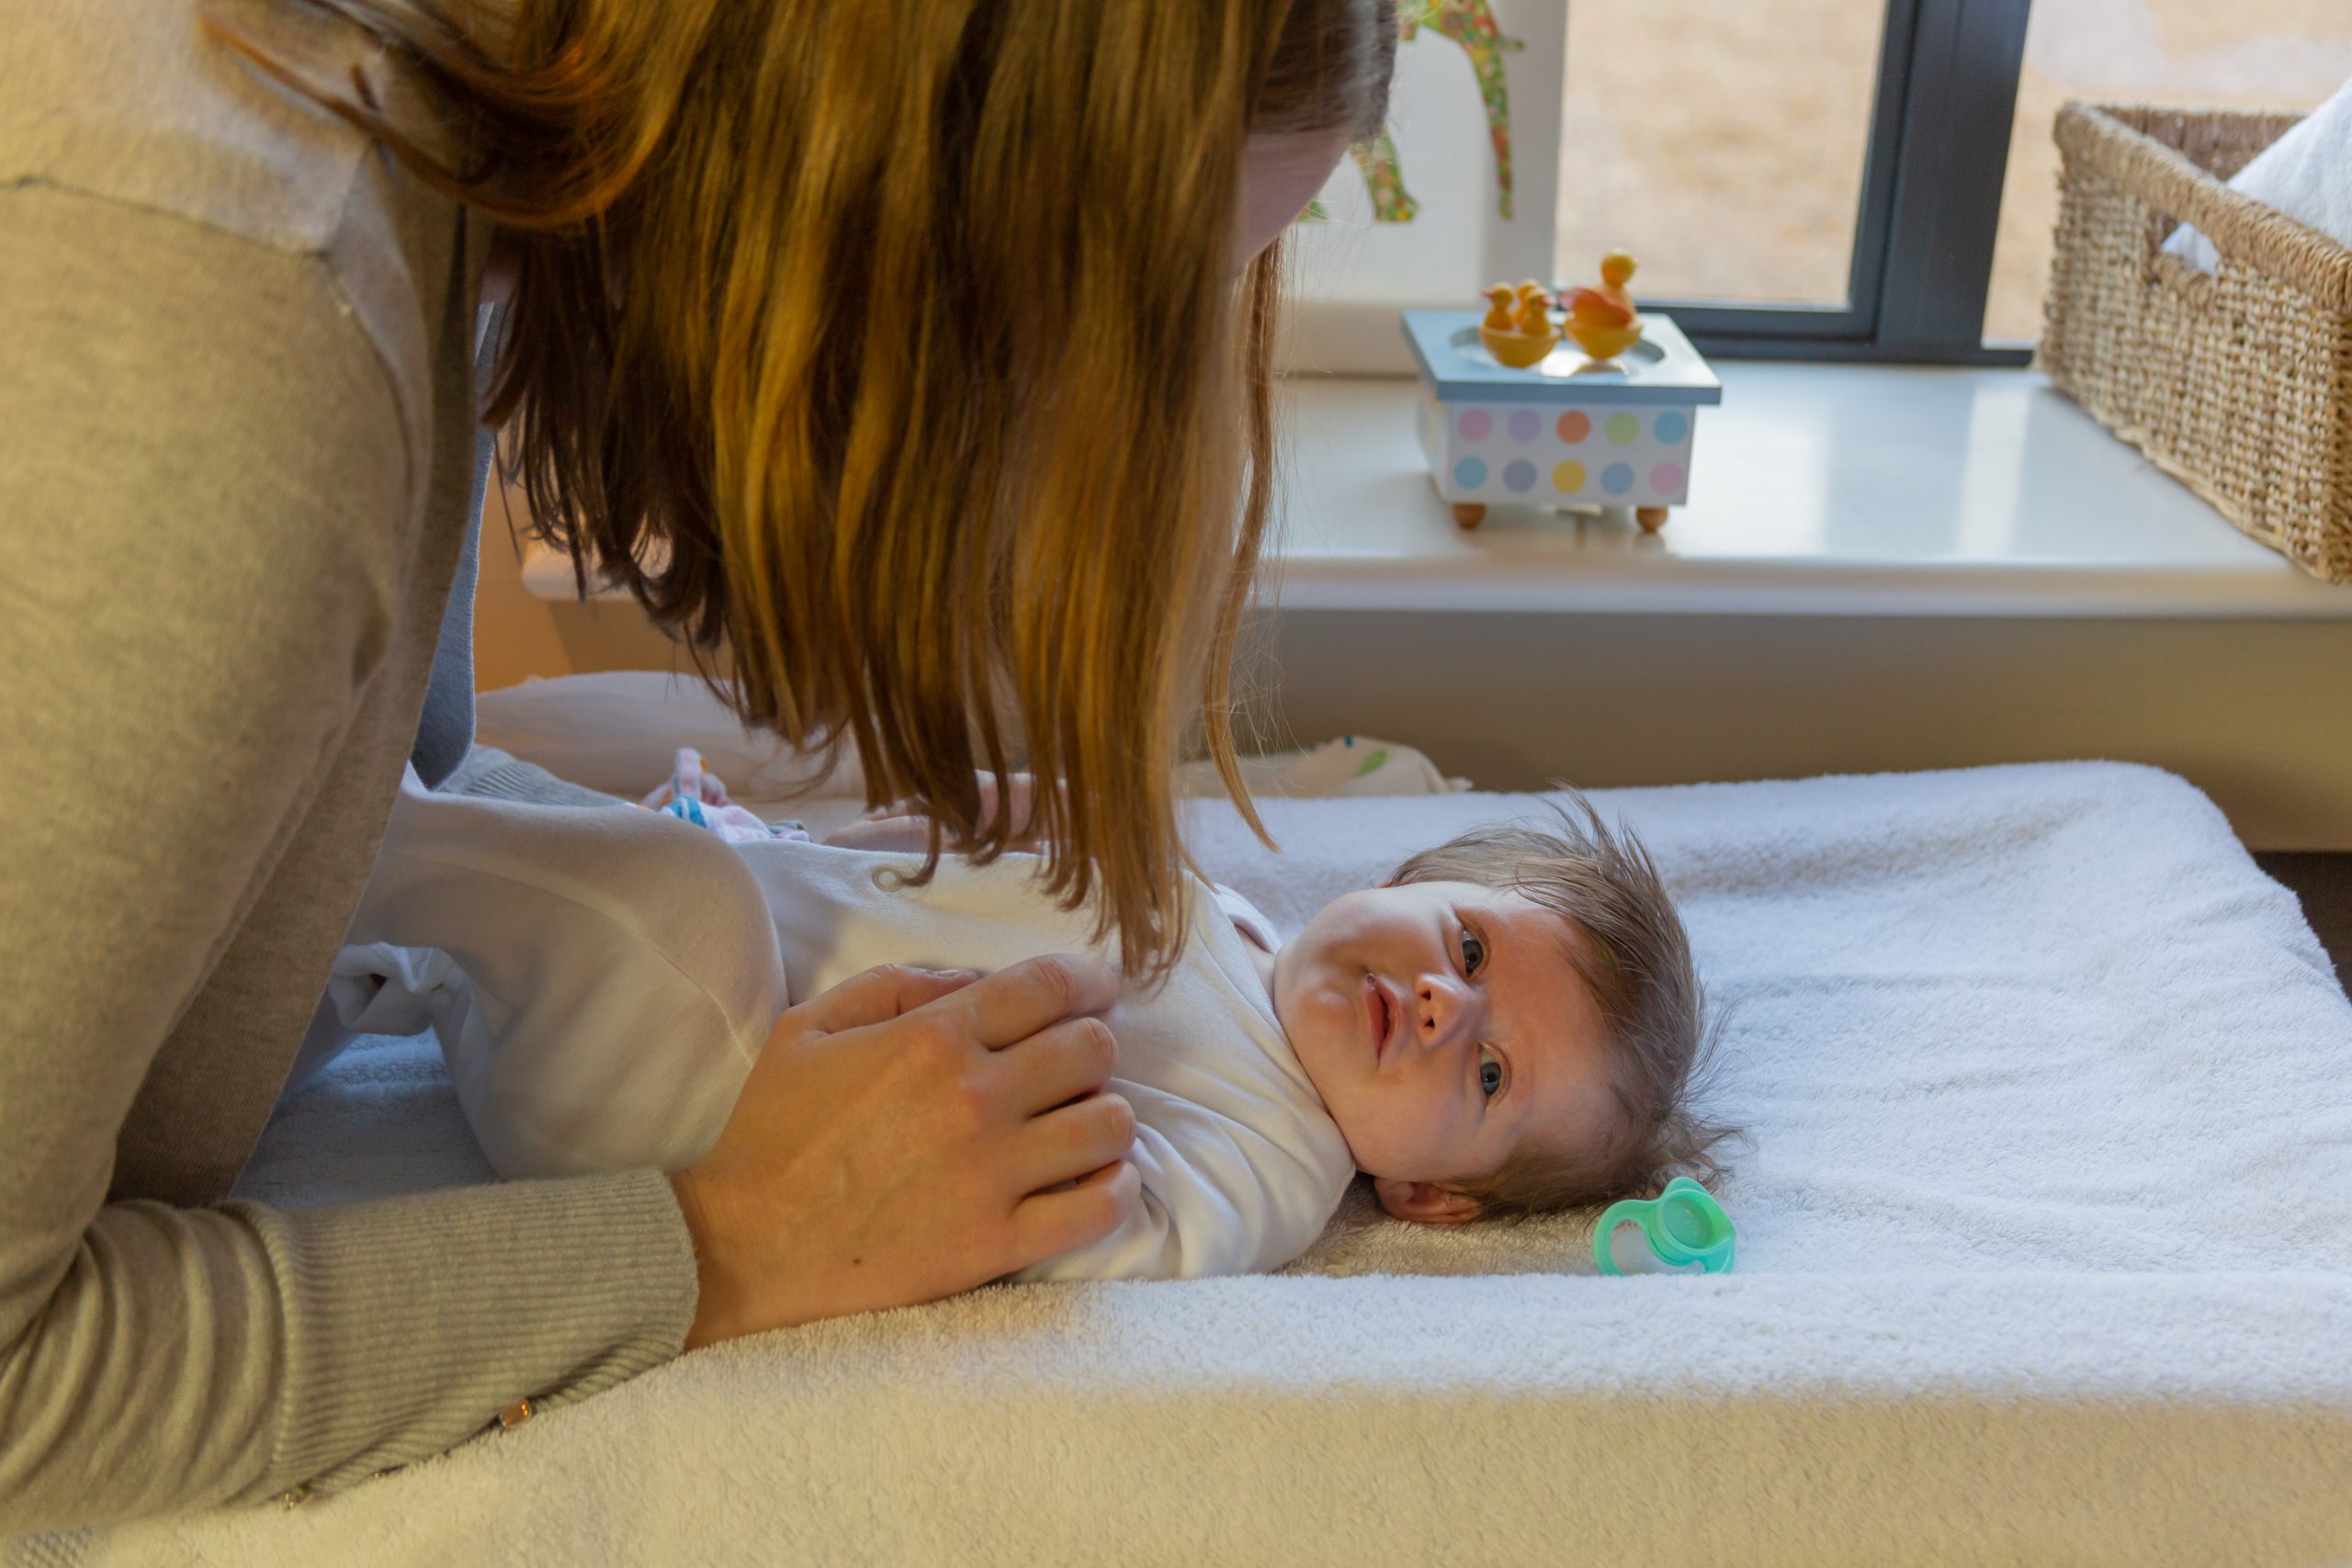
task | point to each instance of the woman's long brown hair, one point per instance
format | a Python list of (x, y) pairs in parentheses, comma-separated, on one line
[(890, 349)]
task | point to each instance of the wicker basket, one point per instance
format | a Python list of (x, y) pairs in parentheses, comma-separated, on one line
[(2239, 385)]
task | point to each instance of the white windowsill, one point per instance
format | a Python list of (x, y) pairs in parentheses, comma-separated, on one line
[(1815, 490)]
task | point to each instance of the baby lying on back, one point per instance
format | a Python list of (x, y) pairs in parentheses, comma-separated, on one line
[(1506, 1026)]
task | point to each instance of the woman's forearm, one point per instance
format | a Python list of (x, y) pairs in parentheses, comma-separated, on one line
[(231, 1353), (206, 471)]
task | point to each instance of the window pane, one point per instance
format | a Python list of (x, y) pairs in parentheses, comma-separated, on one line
[(2247, 53), (1721, 142)]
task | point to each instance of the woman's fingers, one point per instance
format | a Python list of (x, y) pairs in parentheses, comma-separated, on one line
[(1063, 1145), (910, 835), (1012, 1004), (1056, 1064), (878, 1150), (1047, 1224), (878, 995)]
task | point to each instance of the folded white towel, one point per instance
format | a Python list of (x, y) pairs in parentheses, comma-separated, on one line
[(620, 731), (2306, 173)]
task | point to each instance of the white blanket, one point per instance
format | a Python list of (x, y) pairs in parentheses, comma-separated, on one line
[(2045, 1255)]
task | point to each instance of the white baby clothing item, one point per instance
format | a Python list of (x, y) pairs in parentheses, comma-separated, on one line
[(610, 975), (2306, 173), (1241, 1164), (601, 979)]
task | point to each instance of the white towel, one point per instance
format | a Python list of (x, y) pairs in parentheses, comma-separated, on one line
[(2045, 1257), (2306, 173)]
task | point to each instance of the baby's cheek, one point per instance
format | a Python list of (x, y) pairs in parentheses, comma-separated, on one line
[(1389, 1130)]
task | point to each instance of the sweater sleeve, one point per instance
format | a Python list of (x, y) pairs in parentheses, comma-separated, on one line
[(203, 480)]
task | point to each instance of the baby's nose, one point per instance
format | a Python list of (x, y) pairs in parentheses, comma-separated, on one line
[(1444, 1003)]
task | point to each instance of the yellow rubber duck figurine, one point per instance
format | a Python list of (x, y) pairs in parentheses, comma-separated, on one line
[(1603, 321), (1517, 330)]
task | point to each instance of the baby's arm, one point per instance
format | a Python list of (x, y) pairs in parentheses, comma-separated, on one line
[(1147, 1243), (1216, 1197)]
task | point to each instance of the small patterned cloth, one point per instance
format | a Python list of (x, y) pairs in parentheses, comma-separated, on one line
[(697, 795)]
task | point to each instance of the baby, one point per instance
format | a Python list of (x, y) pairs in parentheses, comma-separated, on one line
[(1507, 1025)]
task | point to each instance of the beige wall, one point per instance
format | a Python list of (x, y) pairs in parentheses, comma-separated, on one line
[(2253, 712), (516, 635)]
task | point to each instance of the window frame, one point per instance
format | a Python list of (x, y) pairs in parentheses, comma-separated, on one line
[(1930, 213), (1930, 205)]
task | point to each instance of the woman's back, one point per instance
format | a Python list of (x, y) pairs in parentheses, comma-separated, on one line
[(231, 450), (237, 453)]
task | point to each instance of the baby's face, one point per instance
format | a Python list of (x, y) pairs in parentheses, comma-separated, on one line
[(1443, 1025)]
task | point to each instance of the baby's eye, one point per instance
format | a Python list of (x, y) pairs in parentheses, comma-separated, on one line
[(1490, 1072), (1474, 953)]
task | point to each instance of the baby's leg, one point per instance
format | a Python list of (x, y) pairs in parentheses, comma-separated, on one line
[(377, 988), (618, 974)]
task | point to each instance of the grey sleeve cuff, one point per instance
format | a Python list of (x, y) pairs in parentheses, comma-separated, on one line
[(412, 1322), (488, 771)]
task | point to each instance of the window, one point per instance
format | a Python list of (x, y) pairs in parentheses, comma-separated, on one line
[(1812, 178), (1723, 144)]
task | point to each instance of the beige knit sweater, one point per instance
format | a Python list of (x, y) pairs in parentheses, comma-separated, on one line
[(236, 451)]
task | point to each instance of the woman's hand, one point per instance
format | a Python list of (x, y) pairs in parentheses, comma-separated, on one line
[(904, 827), (897, 1142)]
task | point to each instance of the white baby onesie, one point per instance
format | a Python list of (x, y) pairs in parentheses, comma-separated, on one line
[(689, 947), (1241, 1164)]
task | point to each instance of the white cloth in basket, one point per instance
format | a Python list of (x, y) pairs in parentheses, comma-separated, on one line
[(2306, 173)]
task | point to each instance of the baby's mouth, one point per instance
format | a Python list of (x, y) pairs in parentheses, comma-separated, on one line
[(1383, 1012)]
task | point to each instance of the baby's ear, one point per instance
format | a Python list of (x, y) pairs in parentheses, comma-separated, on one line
[(1424, 1203)]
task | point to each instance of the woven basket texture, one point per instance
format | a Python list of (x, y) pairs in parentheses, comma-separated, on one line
[(2238, 383)]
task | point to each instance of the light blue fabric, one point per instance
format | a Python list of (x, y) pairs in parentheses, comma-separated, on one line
[(445, 729)]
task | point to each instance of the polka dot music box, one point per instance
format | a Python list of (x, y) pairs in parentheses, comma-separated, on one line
[(1596, 411)]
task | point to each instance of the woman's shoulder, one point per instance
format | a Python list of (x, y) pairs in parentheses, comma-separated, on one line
[(139, 103), (142, 103), (136, 108)]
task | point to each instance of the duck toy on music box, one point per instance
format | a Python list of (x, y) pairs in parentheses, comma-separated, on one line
[(1596, 409)]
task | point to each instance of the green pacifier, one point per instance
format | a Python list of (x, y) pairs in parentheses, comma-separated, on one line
[(1684, 1224)]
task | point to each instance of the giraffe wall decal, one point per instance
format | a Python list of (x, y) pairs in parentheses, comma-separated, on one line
[(1470, 25)]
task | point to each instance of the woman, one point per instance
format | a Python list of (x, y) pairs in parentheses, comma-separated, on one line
[(911, 352)]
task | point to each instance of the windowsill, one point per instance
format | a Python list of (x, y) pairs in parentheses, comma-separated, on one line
[(1815, 490)]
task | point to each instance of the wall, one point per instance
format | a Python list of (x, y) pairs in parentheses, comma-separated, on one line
[(2253, 712), (517, 634)]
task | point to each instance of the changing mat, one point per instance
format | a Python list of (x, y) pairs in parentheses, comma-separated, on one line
[(2045, 1255)]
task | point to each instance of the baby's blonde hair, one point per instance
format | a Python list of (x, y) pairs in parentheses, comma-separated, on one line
[(1635, 957)]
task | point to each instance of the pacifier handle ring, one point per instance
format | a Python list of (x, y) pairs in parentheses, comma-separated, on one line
[(1624, 1211), (1649, 1213)]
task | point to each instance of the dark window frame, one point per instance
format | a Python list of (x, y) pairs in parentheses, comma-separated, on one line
[(1930, 205)]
